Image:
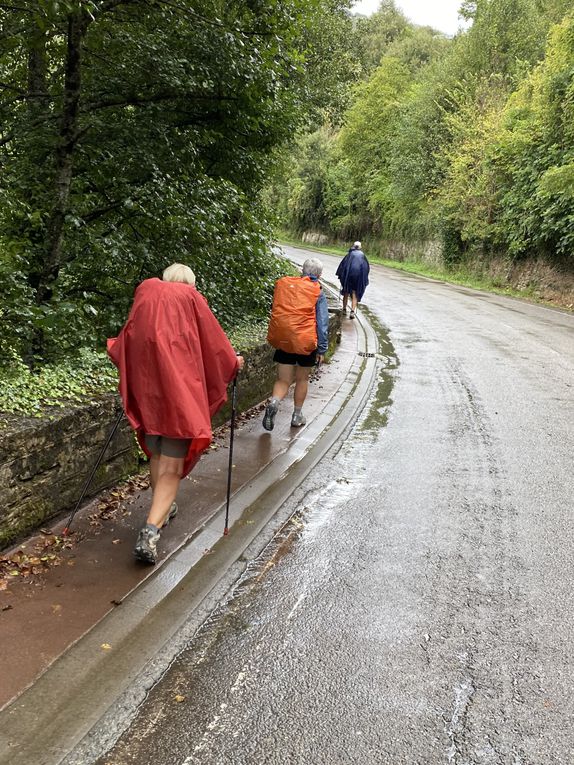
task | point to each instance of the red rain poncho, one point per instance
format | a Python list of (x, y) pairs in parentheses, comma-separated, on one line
[(175, 363)]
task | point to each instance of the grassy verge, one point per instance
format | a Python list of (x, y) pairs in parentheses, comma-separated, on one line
[(460, 275)]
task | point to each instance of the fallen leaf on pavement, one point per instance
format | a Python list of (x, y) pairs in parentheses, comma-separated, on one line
[(179, 698), (106, 646)]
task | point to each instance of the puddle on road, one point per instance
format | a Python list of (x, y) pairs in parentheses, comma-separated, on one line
[(320, 505), (233, 615), (377, 414)]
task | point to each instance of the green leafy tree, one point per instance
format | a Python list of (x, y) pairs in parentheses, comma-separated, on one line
[(467, 200), (468, 141), (367, 136), (505, 37), (138, 133), (375, 34), (535, 155)]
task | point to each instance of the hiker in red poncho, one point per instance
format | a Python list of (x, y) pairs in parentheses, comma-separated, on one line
[(175, 363)]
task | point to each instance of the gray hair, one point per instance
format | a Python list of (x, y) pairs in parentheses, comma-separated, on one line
[(357, 245), (312, 267), (177, 272)]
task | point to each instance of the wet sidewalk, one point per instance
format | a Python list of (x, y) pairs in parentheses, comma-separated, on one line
[(92, 572)]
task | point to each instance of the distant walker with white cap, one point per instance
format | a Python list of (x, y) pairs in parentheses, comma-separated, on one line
[(353, 273)]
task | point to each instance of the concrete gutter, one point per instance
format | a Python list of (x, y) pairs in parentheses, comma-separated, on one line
[(79, 706)]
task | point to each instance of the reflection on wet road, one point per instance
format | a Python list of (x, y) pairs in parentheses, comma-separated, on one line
[(417, 607)]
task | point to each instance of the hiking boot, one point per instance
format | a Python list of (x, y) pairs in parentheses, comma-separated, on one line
[(269, 416), (172, 513), (146, 546), (297, 421)]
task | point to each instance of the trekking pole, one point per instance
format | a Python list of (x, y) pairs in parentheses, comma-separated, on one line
[(96, 466), (233, 407)]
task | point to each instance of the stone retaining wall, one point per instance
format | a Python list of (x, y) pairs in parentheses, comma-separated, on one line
[(45, 461)]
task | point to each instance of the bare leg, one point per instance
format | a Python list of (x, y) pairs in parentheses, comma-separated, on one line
[(354, 301), (167, 476), (345, 300), (301, 385), (285, 377), (153, 470)]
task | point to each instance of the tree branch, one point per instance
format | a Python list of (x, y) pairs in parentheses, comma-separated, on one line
[(99, 213), (110, 5), (139, 100), (91, 290), (15, 8)]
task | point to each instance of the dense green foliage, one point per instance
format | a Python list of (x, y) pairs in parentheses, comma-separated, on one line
[(138, 133), (86, 373), (66, 382), (467, 140)]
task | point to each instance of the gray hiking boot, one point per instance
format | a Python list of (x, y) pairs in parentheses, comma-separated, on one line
[(269, 416), (146, 546), (172, 513), (297, 420)]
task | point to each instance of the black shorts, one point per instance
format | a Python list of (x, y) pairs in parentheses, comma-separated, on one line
[(295, 359), (168, 447)]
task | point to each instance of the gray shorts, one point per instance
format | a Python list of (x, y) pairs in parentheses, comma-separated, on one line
[(168, 447)]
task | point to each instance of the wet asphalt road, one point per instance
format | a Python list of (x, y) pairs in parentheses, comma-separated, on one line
[(418, 607)]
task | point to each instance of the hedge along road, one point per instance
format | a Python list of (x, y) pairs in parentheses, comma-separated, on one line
[(417, 608)]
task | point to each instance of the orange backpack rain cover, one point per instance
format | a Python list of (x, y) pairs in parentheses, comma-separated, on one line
[(293, 327)]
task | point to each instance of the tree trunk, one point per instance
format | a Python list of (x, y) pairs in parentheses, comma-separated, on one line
[(37, 70), (77, 27)]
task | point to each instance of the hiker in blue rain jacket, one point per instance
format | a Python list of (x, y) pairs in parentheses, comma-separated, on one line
[(353, 273)]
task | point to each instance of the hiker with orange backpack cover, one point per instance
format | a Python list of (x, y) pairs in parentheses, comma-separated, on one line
[(298, 330)]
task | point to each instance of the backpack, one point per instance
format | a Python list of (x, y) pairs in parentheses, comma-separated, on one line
[(293, 326)]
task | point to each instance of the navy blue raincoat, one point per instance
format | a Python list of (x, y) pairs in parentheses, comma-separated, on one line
[(353, 273)]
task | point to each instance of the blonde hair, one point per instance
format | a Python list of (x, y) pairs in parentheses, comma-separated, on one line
[(177, 272)]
